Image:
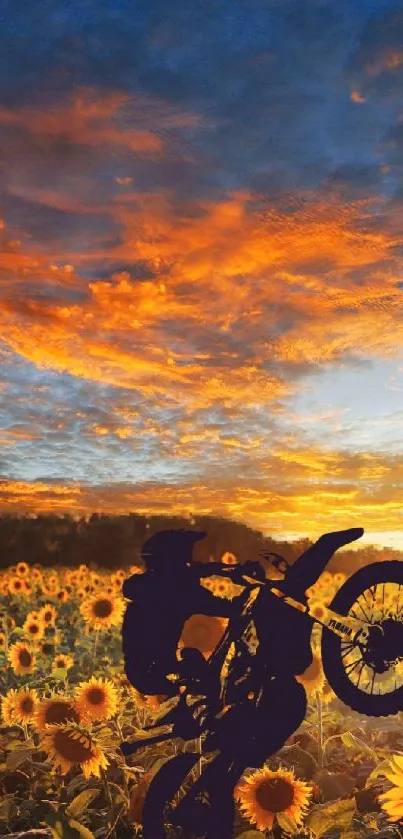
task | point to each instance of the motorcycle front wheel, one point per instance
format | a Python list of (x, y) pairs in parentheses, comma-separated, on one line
[(365, 677)]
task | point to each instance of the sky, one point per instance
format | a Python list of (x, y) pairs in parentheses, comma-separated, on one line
[(201, 261)]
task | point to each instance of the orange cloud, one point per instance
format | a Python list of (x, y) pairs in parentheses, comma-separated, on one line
[(307, 491), (361, 496), (357, 97), (237, 295), (388, 59)]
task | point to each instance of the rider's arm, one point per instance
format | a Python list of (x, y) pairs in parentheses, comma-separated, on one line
[(232, 571)]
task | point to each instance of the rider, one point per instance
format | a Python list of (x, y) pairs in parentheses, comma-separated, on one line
[(164, 597)]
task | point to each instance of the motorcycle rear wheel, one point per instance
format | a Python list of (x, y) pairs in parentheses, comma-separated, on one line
[(333, 648)]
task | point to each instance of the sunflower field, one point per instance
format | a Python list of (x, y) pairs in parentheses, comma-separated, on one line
[(66, 705)]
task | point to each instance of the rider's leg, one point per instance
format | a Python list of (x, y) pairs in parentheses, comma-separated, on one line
[(309, 566)]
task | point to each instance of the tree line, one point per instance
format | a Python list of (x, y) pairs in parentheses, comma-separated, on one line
[(115, 541)]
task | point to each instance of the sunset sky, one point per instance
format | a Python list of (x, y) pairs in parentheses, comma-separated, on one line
[(201, 267)]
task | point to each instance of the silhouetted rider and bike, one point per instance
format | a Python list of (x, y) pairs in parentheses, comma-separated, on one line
[(244, 701)]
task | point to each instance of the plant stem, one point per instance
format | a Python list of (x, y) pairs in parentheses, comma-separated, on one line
[(108, 797), (200, 758), (320, 730), (120, 735), (94, 654)]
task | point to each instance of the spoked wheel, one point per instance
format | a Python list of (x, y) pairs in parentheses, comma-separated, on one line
[(369, 677)]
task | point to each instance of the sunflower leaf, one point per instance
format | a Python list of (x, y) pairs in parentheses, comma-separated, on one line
[(81, 802), (15, 758), (353, 742), (60, 826), (250, 834), (83, 832), (378, 772), (60, 673), (287, 823), (8, 808), (325, 816)]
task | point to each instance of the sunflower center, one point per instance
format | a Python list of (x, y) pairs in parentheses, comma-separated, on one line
[(95, 696), (70, 748), (48, 616), (27, 705), (102, 608), (34, 628), (203, 634), (25, 658), (60, 662), (275, 795), (60, 711), (48, 649)]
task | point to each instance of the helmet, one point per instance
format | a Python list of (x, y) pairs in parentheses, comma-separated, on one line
[(170, 546)]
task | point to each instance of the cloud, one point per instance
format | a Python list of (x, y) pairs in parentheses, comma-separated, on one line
[(327, 491), (201, 211)]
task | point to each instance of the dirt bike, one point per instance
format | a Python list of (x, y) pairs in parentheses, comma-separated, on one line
[(362, 641)]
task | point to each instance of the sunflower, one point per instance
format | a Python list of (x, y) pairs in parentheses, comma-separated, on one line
[(48, 614), (312, 678), (8, 707), (203, 632), (116, 582), (36, 575), (266, 794), (317, 609), (7, 623), (102, 611), (18, 706), (26, 701), (229, 558), (21, 658), (33, 627), (16, 585), (69, 745), (62, 596), (391, 801), (56, 709), (22, 569), (145, 701), (134, 569), (97, 699), (62, 662), (339, 578), (48, 591), (47, 648)]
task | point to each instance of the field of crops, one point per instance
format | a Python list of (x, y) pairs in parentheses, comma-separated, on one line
[(66, 705)]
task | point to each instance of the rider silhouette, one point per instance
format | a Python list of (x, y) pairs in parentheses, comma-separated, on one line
[(164, 597), (169, 592), (262, 710)]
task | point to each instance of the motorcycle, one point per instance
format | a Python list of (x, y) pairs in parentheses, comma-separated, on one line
[(250, 702)]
